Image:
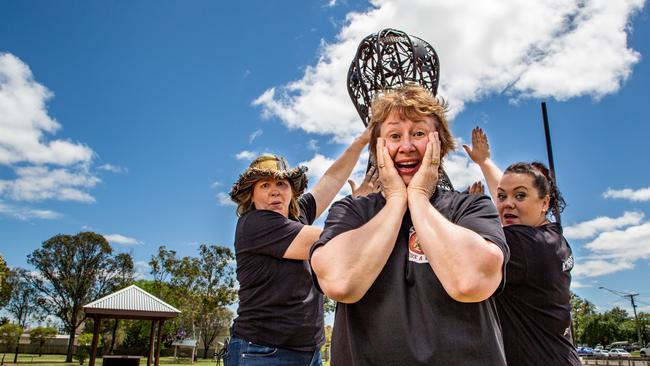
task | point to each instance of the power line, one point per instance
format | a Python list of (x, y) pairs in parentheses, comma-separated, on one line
[(631, 296)]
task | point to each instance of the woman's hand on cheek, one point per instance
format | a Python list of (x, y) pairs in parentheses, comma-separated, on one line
[(391, 182), (425, 180)]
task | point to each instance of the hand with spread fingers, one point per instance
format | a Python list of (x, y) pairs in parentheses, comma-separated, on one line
[(479, 152), (369, 185), (425, 180), (390, 180), (476, 188)]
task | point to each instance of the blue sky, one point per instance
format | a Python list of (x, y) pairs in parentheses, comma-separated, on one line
[(133, 118)]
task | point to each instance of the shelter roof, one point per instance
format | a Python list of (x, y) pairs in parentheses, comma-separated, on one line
[(131, 302)]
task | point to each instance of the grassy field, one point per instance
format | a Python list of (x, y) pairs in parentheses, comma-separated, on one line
[(58, 360)]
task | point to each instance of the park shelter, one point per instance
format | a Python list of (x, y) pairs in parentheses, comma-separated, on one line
[(131, 303)]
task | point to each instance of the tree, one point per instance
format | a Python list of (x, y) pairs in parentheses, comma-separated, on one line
[(162, 266), (581, 311), (10, 335), (73, 271), (40, 336), (124, 277), (5, 287), (24, 296), (213, 290)]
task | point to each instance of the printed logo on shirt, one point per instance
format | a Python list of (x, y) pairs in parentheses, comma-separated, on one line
[(415, 252), (567, 265)]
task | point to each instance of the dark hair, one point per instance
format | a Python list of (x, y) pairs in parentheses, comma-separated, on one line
[(543, 181)]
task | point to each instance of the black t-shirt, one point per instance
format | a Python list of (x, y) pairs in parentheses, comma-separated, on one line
[(535, 306), (278, 304), (406, 317)]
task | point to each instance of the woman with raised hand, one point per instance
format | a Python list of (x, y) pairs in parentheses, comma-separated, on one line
[(280, 315), (534, 308)]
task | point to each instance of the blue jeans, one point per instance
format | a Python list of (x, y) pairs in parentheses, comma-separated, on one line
[(245, 353)]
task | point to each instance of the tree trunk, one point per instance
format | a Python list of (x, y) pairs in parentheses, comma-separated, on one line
[(71, 330), (205, 351), (16, 355), (110, 351)]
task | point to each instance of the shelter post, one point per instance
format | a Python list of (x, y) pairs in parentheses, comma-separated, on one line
[(93, 348), (159, 340), (150, 353)]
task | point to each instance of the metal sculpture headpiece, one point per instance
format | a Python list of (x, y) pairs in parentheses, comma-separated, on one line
[(388, 59)]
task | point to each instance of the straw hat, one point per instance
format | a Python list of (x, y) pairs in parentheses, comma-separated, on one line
[(269, 166)]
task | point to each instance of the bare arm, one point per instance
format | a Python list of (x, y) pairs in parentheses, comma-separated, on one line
[(349, 263), (301, 244), (479, 152), (468, 266), (337, 174)]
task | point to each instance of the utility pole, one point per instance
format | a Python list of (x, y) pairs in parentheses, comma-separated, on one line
[(549, 152), (631, 296)]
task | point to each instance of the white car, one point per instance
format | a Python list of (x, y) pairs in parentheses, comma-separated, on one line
[(619, 352), (645, 351), (601, 353)]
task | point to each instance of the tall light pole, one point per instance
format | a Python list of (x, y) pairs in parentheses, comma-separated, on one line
[(631, 296)]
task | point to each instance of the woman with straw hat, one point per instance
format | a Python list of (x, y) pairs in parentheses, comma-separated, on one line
[(280, 314)]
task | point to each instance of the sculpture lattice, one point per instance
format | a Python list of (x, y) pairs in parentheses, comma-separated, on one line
[(388, 59)]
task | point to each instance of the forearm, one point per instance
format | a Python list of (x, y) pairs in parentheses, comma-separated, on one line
[(468, 266), (349, 263), (492, 175), (336, 175)]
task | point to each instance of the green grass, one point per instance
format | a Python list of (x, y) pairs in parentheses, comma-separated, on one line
[(58, 360)]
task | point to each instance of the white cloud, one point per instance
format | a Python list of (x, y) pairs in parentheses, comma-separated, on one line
[(319, 164), (24, 120), (590, 228), (551, 48), (312, 145), (112, 168), (331, 4), (615, 251), (461, 170), (223, 199), (246, 155), (577, 284), (26, 148), (26, 213), (642, 194), (121, 239), (255, 135), (38, 183), (598, 267)]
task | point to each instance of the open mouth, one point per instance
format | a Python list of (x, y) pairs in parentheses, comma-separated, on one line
[(509, 218), (407, 166)]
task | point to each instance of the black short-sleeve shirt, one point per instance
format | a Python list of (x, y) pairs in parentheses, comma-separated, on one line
[(406, 317), (278, 304), (535, 306)]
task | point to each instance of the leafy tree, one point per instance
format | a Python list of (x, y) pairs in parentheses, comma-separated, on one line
[(24, 296), (600, 329), (581, 311), (5, 287), (162, 266), (215, 291), (329, 305), (123, 278), (73, 271), (10, 335), (83, 349), (40, 336)]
